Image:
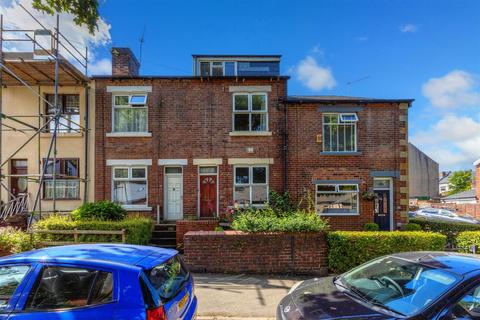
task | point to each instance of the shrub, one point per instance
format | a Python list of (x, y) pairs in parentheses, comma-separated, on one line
[(371, 226), (348, 249), (101, 210), (267, 220), (413, 227), (138, 230), (449, 229), (467, 239), (219, 228), (15, 241), (281, 203)]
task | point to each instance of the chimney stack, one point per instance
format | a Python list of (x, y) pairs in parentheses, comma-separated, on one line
[(124, 62)]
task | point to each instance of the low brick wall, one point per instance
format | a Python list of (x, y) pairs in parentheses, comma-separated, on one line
[(239, 252), (184, 226), (4, 253)]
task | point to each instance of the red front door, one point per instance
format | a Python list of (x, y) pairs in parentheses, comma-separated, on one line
[(208, 196)]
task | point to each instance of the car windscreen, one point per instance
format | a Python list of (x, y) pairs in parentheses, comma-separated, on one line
[(168, 278), (398, 285)]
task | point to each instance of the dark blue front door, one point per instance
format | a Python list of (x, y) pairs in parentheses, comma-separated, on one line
[(382, 209)]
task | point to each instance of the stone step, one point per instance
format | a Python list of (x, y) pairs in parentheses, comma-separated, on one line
[(165, 227), (167, 246), (164, 241), (164, 234)]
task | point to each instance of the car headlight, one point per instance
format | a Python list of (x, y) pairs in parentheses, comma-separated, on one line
[(295, 286)]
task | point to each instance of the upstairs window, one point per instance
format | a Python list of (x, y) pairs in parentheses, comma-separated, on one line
[(130, 113), (67, 181), (69, 105), (217, 68), (340, 132), (250, 112)]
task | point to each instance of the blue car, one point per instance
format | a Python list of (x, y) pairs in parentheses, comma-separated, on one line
[(98, 281)]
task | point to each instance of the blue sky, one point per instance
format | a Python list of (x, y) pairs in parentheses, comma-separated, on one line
[(426, 50)]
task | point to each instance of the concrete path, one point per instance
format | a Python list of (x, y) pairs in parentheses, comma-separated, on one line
[(240, 296)]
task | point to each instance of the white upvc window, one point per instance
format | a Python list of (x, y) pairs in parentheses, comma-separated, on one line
[(130, 186), (337, 199), (251, 184), (218, 68), (250, 112), (130, 113), (340, 132)]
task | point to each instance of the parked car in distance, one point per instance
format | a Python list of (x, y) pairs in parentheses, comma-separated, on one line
[(411, 285), (97, 281), (444, 215)]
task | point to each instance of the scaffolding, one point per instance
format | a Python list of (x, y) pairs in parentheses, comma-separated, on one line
[(43, 66)]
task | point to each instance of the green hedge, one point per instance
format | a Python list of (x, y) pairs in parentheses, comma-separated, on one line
[(449, 229), (100, 210), (466, 239), (15, 241), (348, 249), (266, 220), (139, 230)]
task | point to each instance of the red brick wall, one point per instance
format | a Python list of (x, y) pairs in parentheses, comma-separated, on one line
[(237, 252), (472, 209), (477, 181), (189, 118), (382, 138), (184, 226)]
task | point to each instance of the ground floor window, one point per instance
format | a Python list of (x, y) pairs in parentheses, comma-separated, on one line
[(66, 184), (251, 185), (130, 186), (337, 199)]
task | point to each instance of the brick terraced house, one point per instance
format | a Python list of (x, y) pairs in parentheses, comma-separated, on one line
[(192, 146)]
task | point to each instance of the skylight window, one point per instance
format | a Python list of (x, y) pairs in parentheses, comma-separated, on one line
[(348, 117), (136, 100)]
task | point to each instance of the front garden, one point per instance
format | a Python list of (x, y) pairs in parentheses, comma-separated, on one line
[(99, 216)]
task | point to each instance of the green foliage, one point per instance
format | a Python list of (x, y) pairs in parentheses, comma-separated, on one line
[(84, 11), (15, 241), (413, 227), (281, 203), (467, 239), (371, 226), (348, 249), (219, 228), (460, 181), (267, 220), (138, 230), (100, 210), (449, 229)]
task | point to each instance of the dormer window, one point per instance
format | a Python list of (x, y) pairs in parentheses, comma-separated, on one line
[(217, 68)]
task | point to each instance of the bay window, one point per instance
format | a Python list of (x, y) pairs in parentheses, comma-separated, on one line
[(67, 182), (130, 186), (251, 185), (337, 199), (250, 112), (130, 113), (340, 132)]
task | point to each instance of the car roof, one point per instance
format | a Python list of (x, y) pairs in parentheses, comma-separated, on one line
[(98, 254), (449, 261)]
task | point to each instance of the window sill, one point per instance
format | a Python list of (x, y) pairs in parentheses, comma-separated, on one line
[(69, 199), (338, 214), (250, 133), (332, 153), (62, 135), (129, 134), (136, 208)]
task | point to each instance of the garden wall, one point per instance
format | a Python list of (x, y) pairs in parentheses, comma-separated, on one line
[(184, 226), (238, 252)]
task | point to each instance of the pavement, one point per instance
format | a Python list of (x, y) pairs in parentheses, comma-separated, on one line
[(236, 297)]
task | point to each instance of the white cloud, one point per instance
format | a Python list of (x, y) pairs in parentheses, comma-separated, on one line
[(408, 28), (454, 141), (455, 89), (15, 17), (100, 67), (313, 75)]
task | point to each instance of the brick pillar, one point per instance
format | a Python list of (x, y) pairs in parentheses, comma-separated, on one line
[(124, 62), (404, 192)]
